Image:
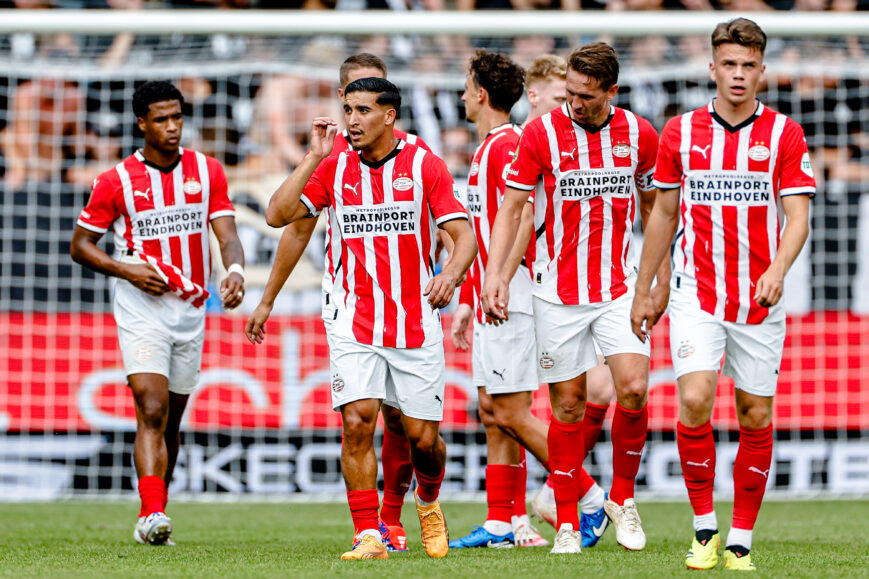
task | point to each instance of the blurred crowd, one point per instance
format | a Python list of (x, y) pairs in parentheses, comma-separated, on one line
[(250, 101)]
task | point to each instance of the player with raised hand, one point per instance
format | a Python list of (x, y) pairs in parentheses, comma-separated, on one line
[(160, 201), (726, 168), (395, 453), (594, 159), (503, 353), (545, 87), (385, 199)]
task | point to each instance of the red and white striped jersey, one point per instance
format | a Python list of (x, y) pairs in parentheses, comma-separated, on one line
[(485, 193), (341, 144), (731, 180), (584, 218), (383, 218), (162, 217)]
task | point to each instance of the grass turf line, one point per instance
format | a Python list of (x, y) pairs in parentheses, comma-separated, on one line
[(809, 539)]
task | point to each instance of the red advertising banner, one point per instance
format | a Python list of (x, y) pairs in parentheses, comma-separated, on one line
[(63, 372)]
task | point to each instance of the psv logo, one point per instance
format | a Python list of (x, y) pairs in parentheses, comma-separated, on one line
[(621, 150), (546, 361), (192, 187), (337, 385), (758, 153), (402, 184)]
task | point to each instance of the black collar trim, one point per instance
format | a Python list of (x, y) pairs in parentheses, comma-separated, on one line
[(738, 127), (591, 129), (378, 164), (165, 170)]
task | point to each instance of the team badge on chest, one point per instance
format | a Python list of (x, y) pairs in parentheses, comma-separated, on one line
[(758, 152), (621, 150), (192, 187)]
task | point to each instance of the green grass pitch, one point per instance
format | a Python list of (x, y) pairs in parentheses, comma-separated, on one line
[(800, 539)]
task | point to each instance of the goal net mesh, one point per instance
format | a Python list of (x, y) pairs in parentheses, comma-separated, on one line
[(262, 421)]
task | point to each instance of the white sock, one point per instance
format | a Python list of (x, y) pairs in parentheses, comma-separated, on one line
[(707, 522), (593, 500), (423, 503), (519, 521), (373, 532), (741, 537), (547, 494), (498, 528)]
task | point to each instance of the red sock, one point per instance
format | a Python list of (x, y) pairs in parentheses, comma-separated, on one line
[(363, 509), (697, 454), (591, 425), (499, 492), (750, 474), (397, 474), (152, 491), (429, 486), (520, 485), (629, 437), (548, 468), (565, 456), (585, 482)]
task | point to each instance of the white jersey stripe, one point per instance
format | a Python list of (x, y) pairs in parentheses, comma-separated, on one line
[(395, 262), (606, 253), (371, 261), (558, 225), (582, 249), (744, 279), (130, 204), (177, 191), (416, 169), (205, 181), (686, 257), (716, 163), (773, 218)]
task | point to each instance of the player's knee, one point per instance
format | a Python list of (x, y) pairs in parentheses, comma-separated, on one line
[(153, 414), (755, 416), (505, 419), (696, 408), (487, 418), (632, 394), (392, 419), (426, 442), (569, 408), (358, 428)]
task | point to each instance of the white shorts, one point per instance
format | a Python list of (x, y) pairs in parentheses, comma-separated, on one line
[(160, 335), (566, 336), (410, 379), (504, 356), (753, 351)]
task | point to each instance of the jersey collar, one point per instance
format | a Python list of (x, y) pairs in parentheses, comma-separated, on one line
[(589, 128), (734, 128), (499, 128), (138, 154), (392, 154)]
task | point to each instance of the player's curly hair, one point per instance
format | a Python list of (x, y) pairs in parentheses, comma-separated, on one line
[(502, 78), (544, 67), (741, 31), (154, 91), (387, 93), (597, 60)]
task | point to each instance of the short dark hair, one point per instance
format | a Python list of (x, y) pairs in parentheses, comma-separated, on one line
[(387, 93), (154, 91), (597, 60), (357, 61), (502, 78), (741, 31)]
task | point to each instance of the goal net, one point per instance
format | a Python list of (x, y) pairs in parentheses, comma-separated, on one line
[(262, 422)]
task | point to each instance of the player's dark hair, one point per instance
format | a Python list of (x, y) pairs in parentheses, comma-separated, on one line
[(357, 61), (741, 31), (154, 91), (597, 60), (502, 78), (387, 93)]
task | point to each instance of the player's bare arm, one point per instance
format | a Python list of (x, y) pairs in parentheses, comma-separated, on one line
[(496, 294), (294, 240), (459, 329), (660, 293), (84, 250), (517, 254), (231, 252), (768, 291), (661, 227), (441, 288), (285, 205)]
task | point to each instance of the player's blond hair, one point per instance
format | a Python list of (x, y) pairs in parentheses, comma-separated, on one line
[(357, 61), (741, 31), (545, 67)]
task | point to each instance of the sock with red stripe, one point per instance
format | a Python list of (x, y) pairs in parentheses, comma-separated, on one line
[(565, 457), (152, 492), (429, 487), (697, 455), (397, 475), (750, 475), (499, 492), (520, 485), (628, 437), (363, 508), (592, 424)]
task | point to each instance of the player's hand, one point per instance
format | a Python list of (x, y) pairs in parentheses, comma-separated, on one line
[(644, 315), (145, 278), (660, 298), (769, 288), (494, 298), (459, 331), (440, 289), (232, 291), (323, 131), (255, 329)]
